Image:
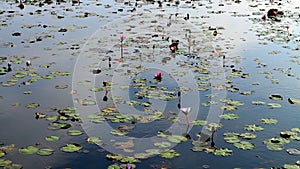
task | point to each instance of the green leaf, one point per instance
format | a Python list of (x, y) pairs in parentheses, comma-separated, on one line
[(276, 97), (245, 145), (163, 144), (32, 105), (169, 154), (253, 127), (294, 101), (45, 152), (177, 138), (4, 162), (28, 150), (268, 121), (229, 116), (114, 166), (69, 148), (74, 132), (223, 152), (93, 140), (199, 122), (52, 138), (274, 105)]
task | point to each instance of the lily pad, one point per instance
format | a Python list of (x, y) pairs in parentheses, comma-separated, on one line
[(245, 145), (52, 138), (45, 152), (4, 162), (229, 116), (74, 132), (28, 150), (32, 105), (163, 144), (294, 101), (177, 138), (293, 151), (274, 105), (248, 136), (93, 140), (199, 122), (169, 154), (291, 166), (223, 152), (253, 127), (268, 121), (276, 97), (69, 148)]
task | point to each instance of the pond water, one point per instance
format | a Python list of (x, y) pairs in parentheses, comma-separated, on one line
[(241, 83)]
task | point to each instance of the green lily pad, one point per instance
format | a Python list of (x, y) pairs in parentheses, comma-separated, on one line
[(45, 151), (69, 148), (291, 166), (275, 97), (274, 105), (27, 92), (293, 151), (2, 153), (199, 122), (118, 133), (253, 127), (268, 121), (52, 138), (248, 136), (114, 156), (28, 150), (163, 144), (169, 154), (128, 159), (232, 139), (59, 125), (93, 140), (223, 152), (245, 145), (74, 132), (114, 166), (177, 139), (294, 101), (32, 105), (4, 162), (229, 116), (258, 102)]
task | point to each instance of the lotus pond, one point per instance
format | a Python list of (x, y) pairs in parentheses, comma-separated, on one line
[(77, 86)]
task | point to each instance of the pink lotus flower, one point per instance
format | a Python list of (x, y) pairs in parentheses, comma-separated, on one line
[(173, 48), (158, 75), (122, 37)]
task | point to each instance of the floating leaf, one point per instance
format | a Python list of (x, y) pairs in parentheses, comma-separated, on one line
[(118, 132), (59, 125), (229, 116), (114, 166), (232, 139), (32, 105), (163, 144), (274, 105), (74, 132), (291, 166), (276, 97), (45, 152), (169, 154), (69, 148), (93, 140), (294, 101), (247, 135), (223, 152), (253, 127), (268, 121), (293, 151), (245, 145), (199, 122), (52, 138), (28, 150), (4, 162), (177, 138)]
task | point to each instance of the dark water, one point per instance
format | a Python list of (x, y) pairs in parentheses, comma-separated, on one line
[(19, 126)]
